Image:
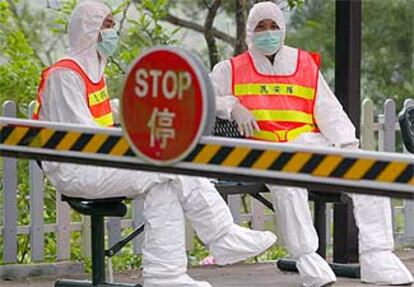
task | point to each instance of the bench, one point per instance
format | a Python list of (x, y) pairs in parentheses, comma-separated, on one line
[(98, 209)]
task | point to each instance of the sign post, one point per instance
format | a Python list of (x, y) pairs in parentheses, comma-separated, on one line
[(167, 104)]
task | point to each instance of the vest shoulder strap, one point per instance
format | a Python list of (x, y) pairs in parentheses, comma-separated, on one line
[(316, 57)]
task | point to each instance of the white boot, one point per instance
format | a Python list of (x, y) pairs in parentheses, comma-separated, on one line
[(314, 271), (240, 243), (178, 281), (378, 264), (295, 222), (212, 220), (384, 268)]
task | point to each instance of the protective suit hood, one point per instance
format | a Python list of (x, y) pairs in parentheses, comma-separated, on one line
[(84, 26), (259, 12)]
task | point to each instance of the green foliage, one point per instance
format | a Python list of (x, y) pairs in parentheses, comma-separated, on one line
[(387, 44)]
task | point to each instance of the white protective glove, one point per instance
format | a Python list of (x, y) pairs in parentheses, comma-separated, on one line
[(246, 123)]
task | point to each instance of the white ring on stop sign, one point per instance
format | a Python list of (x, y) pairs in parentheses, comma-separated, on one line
[(181, 82)]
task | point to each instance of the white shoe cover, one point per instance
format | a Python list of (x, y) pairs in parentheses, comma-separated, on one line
[(240, 243), (314, 271), (178, 281), (384, 268)]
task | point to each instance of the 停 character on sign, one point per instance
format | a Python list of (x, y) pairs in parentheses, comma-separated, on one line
[(162, 128)]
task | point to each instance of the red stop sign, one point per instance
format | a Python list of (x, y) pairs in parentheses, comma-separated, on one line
[(164, 105)]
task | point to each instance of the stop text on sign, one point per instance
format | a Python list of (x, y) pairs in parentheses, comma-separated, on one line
[(172, 84)]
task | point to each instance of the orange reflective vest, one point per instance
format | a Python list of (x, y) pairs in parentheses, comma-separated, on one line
[(281, 104), (96, 95)]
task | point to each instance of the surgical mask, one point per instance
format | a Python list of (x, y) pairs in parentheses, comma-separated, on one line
[(268, 42), (109, 42)]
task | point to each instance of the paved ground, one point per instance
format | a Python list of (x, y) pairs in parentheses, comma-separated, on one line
[(255, 275)]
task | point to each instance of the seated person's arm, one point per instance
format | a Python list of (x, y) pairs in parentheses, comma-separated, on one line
[(331, 118), (221, 81)]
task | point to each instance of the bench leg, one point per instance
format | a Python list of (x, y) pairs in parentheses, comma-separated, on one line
[(98, 260), (98, 249), (320, 226)]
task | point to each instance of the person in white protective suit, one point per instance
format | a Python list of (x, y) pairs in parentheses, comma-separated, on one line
[(276, 93), (73, 91)]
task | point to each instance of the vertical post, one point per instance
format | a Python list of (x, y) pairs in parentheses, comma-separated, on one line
[(390, 120), (367, 125), (114, 230), (347, 89), (63, 228), (37, 237), (258, 217), (234, 202), (9, 198)]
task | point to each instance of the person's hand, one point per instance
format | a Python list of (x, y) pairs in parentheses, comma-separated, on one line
[(245, 121)]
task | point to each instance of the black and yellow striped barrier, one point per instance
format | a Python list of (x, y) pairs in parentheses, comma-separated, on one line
[(354, 171)]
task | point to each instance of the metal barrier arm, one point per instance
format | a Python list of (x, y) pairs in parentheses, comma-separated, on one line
[(283, 164)]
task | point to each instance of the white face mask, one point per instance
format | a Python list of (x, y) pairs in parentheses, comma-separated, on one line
[(268, 42), (109, 42)]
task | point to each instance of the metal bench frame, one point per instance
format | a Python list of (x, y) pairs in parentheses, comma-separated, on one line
[(98, 209)]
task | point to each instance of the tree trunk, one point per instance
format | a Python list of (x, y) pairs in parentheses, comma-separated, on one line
[(209, 35), (241, 16)]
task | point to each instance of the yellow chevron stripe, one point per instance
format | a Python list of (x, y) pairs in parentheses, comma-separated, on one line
[(266, 159), (392, 171), (236, 156), (297, 162), (95, 143), (328, 164), (16, 135), (68, 140), (274, 89), (359, 168), (120, 148), (105, 121), (42, 138), (283, 115), (207, 153)]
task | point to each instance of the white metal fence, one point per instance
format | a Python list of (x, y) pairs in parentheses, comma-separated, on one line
[(378, 132)]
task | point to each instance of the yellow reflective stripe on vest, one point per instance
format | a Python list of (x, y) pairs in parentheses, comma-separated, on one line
[(105, 121), (294, 133), (289, 135), (98, 97), (283, 116), (274, 89), (265, 135)]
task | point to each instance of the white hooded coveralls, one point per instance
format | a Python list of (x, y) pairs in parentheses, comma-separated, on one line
[(372, 213), (168, 197)]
